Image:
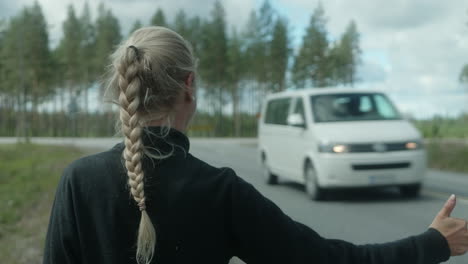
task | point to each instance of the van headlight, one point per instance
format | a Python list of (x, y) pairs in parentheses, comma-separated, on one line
[(414, 144), (333, 148)]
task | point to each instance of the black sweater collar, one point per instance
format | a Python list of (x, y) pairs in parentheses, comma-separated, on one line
[(165, 139)]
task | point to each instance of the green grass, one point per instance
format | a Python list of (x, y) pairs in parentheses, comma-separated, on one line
[(28, 178), (26, 172), (439, 127), (448, 156)]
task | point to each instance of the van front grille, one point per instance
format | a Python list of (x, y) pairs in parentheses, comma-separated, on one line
[(400, 165), (378, 147)]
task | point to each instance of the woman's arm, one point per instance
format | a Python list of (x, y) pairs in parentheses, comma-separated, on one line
[(262, 233)]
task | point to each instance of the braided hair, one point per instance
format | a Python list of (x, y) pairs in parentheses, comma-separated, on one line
[(148, 74)]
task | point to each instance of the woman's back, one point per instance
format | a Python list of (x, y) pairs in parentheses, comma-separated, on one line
[(187, 200), (202, 214)]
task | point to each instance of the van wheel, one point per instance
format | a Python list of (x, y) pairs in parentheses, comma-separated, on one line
[(313, 190), (412, 190), (269, 177)]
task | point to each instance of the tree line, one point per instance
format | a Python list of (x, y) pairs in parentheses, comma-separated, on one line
[(463, 77), (238, 65)]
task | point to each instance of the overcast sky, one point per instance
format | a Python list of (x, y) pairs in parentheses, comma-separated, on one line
[(412, 49)]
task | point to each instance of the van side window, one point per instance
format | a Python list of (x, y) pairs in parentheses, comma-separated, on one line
[(299, 108), (277, 111)]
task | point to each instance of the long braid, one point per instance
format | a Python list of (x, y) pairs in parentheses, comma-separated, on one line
[(129, 99), (147, 78)]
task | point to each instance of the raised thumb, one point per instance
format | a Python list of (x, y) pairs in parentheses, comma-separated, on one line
[(448, 207)]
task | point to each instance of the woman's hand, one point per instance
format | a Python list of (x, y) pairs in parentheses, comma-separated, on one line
[(453, 229)]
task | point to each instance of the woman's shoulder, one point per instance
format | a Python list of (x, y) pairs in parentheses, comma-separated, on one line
[(217, 179), (94, 166), (206, 169)]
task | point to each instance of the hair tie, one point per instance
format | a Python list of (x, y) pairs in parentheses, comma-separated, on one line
[(142, 206), (136, 51)]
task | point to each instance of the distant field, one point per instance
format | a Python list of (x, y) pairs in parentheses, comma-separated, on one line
[(444, 127), (448, 156), (444, 152), (28, 178)]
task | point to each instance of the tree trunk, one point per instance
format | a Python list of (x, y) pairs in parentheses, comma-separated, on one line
[(54, 115), (4, 116), (85, 114), (235, 109), (61, 124), (35, 126)]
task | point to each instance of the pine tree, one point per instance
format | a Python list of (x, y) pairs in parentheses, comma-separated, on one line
[(27, 64), (350, 51), (336, 64), (3, 29), (70, 50), (255, 47), (235, 73), (159, 19), (88, 41), (88, 37), (311, 61), (137, 25), (71, 54), (464, 74), (215, 46), (107, 37), (39, 57), (266, 18), (194, 35), (213, 57), (279, 56), (260, 35), (181, 24), (14, 82)]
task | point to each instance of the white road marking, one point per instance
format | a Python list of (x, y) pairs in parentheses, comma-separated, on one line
[(460, 199)]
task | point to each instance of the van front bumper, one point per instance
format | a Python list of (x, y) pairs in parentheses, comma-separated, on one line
[(370, 169)]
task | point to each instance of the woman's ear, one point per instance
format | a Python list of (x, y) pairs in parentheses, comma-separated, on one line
[(189, 81), (190, 91)]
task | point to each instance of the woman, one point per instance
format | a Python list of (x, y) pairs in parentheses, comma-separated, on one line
[(147, 200)]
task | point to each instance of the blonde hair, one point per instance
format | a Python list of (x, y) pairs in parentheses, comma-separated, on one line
[(148, 74)]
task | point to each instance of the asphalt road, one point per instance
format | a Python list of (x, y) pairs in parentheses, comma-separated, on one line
[(357, 216)]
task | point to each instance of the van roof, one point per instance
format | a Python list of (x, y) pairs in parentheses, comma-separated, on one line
[(316, 91)]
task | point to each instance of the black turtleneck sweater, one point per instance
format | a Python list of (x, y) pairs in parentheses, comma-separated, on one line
[(202, 214)]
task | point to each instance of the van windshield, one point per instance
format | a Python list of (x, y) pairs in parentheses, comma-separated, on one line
[(352, 107)]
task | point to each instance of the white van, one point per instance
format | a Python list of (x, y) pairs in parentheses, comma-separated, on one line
[(329, 138)]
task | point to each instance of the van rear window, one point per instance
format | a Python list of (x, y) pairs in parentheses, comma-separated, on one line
[(277, 111), (353, 107)]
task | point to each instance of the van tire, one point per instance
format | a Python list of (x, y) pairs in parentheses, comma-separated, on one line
[(411, 191), (269, 177), (312, 188)]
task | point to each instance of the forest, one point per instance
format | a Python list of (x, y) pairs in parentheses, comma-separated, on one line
[(45, 89)]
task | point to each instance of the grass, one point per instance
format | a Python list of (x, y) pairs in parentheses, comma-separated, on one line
[(448, 156), (28, 177), (440, 127)]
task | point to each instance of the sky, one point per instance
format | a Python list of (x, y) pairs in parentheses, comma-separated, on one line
[(411, 49)]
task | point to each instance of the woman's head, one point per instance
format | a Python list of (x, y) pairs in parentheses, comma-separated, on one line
[(163, 66), (152, 76)]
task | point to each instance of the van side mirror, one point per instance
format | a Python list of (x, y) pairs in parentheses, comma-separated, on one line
[(296, 120)]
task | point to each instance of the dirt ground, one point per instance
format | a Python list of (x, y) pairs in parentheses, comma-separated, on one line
[(25, 243)]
